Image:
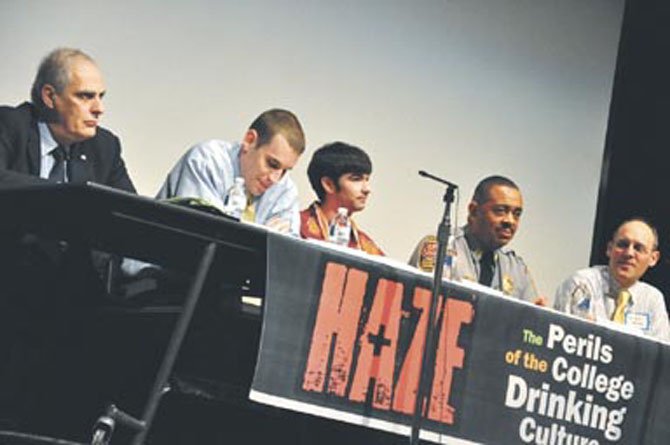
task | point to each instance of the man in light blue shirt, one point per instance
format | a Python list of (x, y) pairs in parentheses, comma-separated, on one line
[(613, 294), (270, 147)]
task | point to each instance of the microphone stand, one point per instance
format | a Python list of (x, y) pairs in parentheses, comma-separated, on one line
[(429, 348)]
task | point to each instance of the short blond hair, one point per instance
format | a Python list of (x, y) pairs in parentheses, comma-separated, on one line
[(278, 121)]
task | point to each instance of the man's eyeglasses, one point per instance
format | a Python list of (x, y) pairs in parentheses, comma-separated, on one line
[(624, 244)]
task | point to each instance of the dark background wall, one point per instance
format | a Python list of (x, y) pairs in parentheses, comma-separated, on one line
[(635, 179)]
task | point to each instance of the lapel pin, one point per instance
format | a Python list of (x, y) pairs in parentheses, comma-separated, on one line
[(82, 157)]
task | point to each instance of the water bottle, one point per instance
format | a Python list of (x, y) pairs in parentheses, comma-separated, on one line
[(236, 201), (340, 228)]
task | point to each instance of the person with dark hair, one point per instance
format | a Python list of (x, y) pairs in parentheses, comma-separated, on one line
[(340, 176), (480, 246), (269, 149), (613, 293), (56, 137)]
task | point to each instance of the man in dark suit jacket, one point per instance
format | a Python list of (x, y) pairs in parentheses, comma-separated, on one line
[(65, 110), (47, 288), (20, 157)]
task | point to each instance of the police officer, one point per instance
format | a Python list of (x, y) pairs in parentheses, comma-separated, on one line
[(480, 246)]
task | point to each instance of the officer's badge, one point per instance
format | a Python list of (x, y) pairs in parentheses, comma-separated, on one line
[(507, 285), (428, 254)]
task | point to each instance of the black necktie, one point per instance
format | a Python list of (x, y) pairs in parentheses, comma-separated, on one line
[(486, 268), (77, 170), (57, 173)]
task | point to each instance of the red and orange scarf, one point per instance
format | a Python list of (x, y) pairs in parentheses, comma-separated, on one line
[(313, 224)]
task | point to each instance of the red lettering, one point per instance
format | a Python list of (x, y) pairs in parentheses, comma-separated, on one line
[(336, 322), (448, 357), (379, 340), (330, 359), (408, 381)]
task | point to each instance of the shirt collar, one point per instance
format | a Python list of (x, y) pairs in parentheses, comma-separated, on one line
[(475, 246), (615, 287), (235, 155), (236, 150), (47, 141)]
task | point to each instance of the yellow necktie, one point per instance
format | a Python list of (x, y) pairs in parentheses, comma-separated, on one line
[(621, 304), (249, 213)]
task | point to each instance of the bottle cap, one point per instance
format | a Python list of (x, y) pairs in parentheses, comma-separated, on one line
[(342, 211), (239, 180)]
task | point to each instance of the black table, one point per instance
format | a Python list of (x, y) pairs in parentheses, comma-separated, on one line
[(210, 248)]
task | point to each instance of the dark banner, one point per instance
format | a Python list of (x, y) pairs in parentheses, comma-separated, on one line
[(343, 338)]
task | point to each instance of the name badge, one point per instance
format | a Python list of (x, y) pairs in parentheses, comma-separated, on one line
[(638, 320)]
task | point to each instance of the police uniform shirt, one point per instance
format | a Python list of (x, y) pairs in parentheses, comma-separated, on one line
[(510, 274)]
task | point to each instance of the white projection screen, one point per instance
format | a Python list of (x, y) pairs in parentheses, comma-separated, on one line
[(460, 88)]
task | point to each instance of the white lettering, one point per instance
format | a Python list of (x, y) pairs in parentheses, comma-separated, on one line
[(517, 391), (532, 432), (556, 334), (587, 376), (590, 347), (526, 428)]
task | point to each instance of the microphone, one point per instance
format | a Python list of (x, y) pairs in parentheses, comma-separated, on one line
[(425, 174)]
